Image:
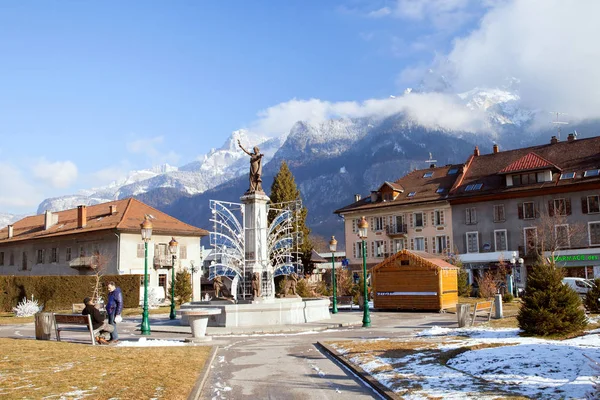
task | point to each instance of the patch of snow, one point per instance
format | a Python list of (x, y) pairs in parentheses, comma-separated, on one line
[(144, 342), (343, 170)]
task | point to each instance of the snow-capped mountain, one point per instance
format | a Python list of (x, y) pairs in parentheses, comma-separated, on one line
[(502, 106), (7, 219), (214, 168)]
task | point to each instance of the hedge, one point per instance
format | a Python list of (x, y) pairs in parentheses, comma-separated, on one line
[(60, 292)]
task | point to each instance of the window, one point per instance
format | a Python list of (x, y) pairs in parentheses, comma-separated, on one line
[(500, 240), (594, 233), (428, 175), (438, 217), (530, 235), (1, 258), (475, 186), (593, 204), (561, 233), (567, 175), (420, 244), (528, 210), (559, 207), (470, 216), (379, 248), (68, 257), (452, 171), (499, 215), (140, 250), (440, 190), (440, 244), (412, 194), (11, 259), (388, 196), (472, 242), (378, 223), (398, 245), (354, 227), (591, 172), (357, 249), (54, 255), (399, 227), (24, 261), (162, 280), (182, 252), (418, 220), (526, 179), (81, 251), (40, 256), (142, 280)]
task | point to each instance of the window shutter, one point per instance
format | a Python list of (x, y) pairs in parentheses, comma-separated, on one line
[(442, 217), (433, 218), (385, 247), (448, 244), (467, 216), (405, 244), (424, 214), (568, 206), (425, 243), (372, 224), (140, 250), (584, 205), (520, 210), (354, 250), (474, 215), (372, 248), (434, 248), (412, 220), (354, 230), (412, 243), (551, 208)]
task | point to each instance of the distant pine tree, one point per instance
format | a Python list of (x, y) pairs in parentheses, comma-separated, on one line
[(284, 189), (183, 287), (550, 307)]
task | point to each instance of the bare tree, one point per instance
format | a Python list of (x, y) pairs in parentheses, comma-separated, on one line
[(100, 262)]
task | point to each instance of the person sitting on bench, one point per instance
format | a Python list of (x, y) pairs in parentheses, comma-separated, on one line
[(102, 330)]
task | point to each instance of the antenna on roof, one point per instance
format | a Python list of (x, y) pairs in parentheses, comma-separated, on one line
[(557, 122), (431, 160)]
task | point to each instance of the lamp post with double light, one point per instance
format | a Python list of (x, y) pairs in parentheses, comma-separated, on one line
[(193, 270), (146, 229), (512, 283), (173, 247), (363, 228), (333, 247)]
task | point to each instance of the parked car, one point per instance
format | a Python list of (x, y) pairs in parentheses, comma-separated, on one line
[(580, 285)]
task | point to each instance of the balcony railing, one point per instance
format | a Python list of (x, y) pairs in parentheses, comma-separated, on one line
[(392, 230), (83, 262), (163, 261)]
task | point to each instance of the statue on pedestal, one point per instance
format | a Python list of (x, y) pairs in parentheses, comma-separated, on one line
[(255, 169), (256, 285), (290, 285), (220, 288)]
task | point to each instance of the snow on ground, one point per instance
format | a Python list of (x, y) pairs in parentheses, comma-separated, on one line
[(503, 364), (144, 342)]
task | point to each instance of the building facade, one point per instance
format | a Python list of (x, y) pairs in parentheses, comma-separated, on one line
[(103, 237), (411, 213)]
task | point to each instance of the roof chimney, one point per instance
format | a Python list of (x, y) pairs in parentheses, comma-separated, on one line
[(495, 148), (113, 209), (81, 216), (50, 219), (432, 166), (553, 140), (571, 137), (356, 197), (11, 231), (476, 151)]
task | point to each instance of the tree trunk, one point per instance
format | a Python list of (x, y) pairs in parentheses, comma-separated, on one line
[(44, 322)]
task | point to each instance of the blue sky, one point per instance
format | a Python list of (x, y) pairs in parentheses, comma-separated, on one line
[(90, 90)]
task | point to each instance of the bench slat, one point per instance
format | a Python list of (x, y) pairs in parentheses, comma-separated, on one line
[(84, 322)]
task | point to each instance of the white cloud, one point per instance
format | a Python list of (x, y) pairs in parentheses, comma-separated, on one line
[(60, 174), (17, 193), (153, 149), (442, 14), (432, 110), (550, 45), (382, 12)]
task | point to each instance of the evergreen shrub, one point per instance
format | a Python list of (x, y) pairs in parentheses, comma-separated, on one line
[(507, 298), (592, 297), (60, 292), (549, 307), (183, 287)]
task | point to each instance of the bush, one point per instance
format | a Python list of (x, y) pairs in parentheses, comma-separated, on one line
[(549, 307), (592, 297), (487, 285), (183, 287), (507, 298), (60, 292), (303, 288), (464, 289)]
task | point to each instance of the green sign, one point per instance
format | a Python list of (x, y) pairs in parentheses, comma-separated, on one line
[(577, 257)]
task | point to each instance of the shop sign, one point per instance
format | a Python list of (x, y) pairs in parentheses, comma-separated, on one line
[(577, 257)]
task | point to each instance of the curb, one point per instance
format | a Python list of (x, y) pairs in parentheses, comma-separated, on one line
[(382, 390), (199, 385)]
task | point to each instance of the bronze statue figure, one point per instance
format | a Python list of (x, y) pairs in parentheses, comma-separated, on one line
[(290, 284), (256, 285), (220, 288), (255, 169)]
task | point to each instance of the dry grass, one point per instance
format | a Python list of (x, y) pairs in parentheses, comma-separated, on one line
[(8, 318), (37, 369)]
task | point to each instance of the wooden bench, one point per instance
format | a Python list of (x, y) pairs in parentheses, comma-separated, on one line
[(74, 323), (483, 307)]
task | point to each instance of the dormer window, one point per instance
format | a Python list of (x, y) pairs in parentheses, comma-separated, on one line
[(567, 175), (388, 196), (473, 187), (428, 175), (591, 172), (452, 171), (412, 194)]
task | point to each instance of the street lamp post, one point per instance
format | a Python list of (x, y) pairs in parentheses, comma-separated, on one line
[(193, 269), (333, 247), (146, 228), (363, 227), (514, 260), (173, 247)]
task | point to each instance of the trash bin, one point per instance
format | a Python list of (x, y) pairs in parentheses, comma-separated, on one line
[(463, 312), (44, 322)]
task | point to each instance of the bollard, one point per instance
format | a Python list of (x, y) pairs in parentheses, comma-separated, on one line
[(498, 306), (463, 312), (44, 323)]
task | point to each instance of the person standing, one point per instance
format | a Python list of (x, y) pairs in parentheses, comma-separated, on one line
[(102, 330), (114, 307)]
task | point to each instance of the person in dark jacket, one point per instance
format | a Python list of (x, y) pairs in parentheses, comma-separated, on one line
[(114, 307), (102, 330)]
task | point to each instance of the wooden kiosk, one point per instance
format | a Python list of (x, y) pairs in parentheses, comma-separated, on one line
[(414, 280)]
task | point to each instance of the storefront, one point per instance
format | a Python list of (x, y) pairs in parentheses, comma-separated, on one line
[(582, 263)]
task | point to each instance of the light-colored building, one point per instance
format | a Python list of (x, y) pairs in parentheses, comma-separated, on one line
[(509, 202), (105, 236), (411, 213)]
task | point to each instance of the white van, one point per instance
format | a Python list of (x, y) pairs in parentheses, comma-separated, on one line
[(580, 285)]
